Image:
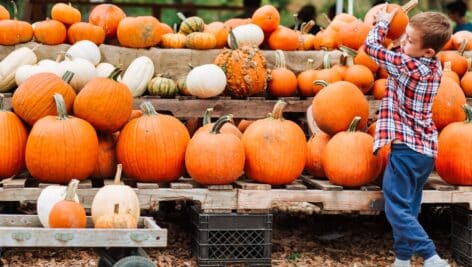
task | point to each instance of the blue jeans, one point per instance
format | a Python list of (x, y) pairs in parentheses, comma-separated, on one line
[(404, 178)]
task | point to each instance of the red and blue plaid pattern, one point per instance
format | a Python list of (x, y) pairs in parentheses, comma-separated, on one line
[(406, 112)]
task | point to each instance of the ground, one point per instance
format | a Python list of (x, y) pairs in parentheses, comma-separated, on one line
[(299, 239)]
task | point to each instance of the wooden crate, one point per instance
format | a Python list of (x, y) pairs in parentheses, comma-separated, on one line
[(27, 231)]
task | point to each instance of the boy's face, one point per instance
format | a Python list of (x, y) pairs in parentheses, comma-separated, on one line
[(411, 44)]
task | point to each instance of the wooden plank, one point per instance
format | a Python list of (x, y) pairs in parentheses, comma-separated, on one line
[(250, 185), (437, 183), (15, 183), (147, 185), (321, 184), (184, 183), (27, 231), (370, 188), (296, 185), (208, 199), (84, 184), (220, 187)]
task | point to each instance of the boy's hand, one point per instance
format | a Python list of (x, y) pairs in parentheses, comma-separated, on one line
[(384, 15)]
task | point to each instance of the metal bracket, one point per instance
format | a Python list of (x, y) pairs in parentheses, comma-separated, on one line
[(64, 237), (21, 236), (138, 237)]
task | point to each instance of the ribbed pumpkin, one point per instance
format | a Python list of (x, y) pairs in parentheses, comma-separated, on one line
[(105, 166), (447, 105), (454, 160), (173, 39), (105, 103), (67, 213), (214, 157), (306, 78), (117, 220), (50, 32), (283, 82), (15, 31), (33, 99), (225, 128), (61, 148), (139, 32), (245, 69), (326, 74), (85, 31), (399, 21), (348, 159), (162, 86), (335, 106), (360, 76), (13, 135), (275, 149), (66, 14), (200, 40), (107, 16), (189, 25), (316, 145), (152, 147), (220, 31)]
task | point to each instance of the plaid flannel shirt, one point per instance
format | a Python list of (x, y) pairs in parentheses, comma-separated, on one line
[(406, 112)]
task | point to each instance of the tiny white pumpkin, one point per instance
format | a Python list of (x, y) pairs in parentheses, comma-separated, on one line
[(247, 34), (45, 65), (104, 69), (206, 81), (83, 69), (138, 74), (48, 197), (87, 50)]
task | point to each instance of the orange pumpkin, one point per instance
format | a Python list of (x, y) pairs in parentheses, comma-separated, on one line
[(348, 159), (50, 32), (33, 99), (267, 17), (116, 220), (174, 39), (384, 151), (335, 106), (447, 71), (222, 160), (329, 39), (15, 31), (105, 103), (306, 39), (66, 14), (447, 105), (458, 61), (283, 38), (107, 16), (243, 124), (220, 31), (380, 89), (461, 38), (200, 40), (275, 149), (327, 74), (56, 141), (67, 213), (139, 32), (135, 113), (354, 34), (306, 78), (342, 66), (360, 76), (226, 128), (106, 163), (316, 145), (283, 82), (142, 137), (85, 31), (13, 135), (4, 14), (166, 28), (361, 58), (399, 21), (454, 161), (466, 81), (235, 22), (382, 73)]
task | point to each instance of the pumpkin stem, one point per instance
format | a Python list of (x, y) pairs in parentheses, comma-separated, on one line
[(321, 82), (468, 113), (447, 66), (59, 56), (61, 107), (343, 59), (116, 209), (409, 6), (279, 59), (324, 21), (326, 61), (15, 9), (233, 43), (181, 16), (2, 102), (469, 63), (354, 124), (462, 47), (307, 27), (115, 73), (71, 189), (67, 77), (220, 122), (351, 52), (207, 116), (35, 47), (310, 64), (190, 66), (175, 28), (278, 109), (119, 169), (148, 108)]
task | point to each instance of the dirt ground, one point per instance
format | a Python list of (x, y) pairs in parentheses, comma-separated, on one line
[(299, 239)]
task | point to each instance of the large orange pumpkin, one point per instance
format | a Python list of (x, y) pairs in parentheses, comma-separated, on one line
[(13, 135), (275, 149), (222, 159), (139, 32), (454, 160), (107, 16), (348, 159), (399, 21), (33, 99), (67, 213), (335, 106), (152, 147), (316, 145), (61, 148), (105, 103), (447, 105)]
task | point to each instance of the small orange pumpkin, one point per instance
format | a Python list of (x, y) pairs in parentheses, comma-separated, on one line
[(220, 30), (306, 78), (107, 16), (399, 21), (380, 89), (4, 14), (267, 17), (106, 163), (354, 34), (15, 31), (466, 81), (226, 128), (50, 32), (447, 105), (67, 213), (360, 76), (139, 32), (316, 145), (66, 14), (200, 40), (85, 31), (326, 74), (283, 38)]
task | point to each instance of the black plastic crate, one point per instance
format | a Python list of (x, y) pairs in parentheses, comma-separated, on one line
[(461, 259), (461, 232), (229, 238), (461, 246), (462, 216)]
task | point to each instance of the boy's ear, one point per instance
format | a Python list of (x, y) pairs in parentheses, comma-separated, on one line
[(429, 52)]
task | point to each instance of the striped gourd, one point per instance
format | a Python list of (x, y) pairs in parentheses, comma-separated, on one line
[(192, 24), (162, 86)]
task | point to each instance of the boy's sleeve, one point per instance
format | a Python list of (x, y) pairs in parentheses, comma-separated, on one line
[(385, 58)]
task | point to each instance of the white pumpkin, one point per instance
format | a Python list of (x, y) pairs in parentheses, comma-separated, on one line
[(83, 69), (9, 65), (47, 199), (104, 69), (247, 34), (104, 201), (138, 74), (87, 50), (206, 81)]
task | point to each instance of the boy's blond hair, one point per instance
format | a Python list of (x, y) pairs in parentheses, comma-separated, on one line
[(435, 28)]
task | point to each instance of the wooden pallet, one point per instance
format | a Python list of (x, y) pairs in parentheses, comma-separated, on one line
[(27, 231)]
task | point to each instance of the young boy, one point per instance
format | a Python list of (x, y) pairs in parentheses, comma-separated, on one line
[(405, 119)]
